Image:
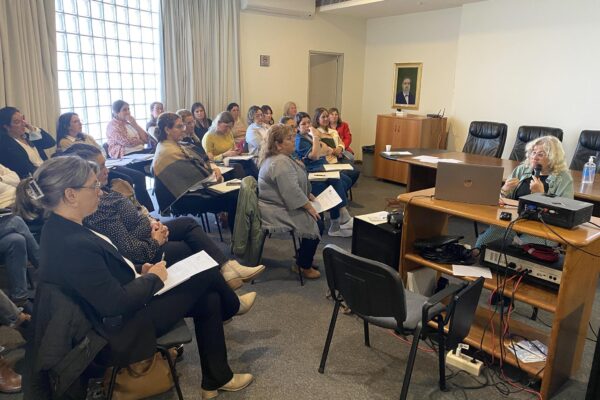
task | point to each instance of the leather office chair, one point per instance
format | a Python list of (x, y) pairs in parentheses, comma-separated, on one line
[(588, 145), (375, 293), (486, 138), (526, 134)]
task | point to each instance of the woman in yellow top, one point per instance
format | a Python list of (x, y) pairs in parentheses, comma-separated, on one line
[(218, 141)]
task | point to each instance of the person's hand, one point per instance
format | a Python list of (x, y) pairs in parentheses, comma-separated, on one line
[(218, 174), (131, 120), (146, 267), (510, 184), (154, 224), (314, 132), (536, 185), (160, 233), (231, 153), (338, 151), (28, 126), (311, 210), (159, 269), (311, 197)]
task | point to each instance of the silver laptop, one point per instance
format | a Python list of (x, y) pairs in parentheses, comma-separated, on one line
[(468, 183)]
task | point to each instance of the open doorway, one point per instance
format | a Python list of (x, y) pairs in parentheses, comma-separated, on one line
[(325, 80)]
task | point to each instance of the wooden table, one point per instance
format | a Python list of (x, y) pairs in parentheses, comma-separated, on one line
[(421, 175), (571, 306)]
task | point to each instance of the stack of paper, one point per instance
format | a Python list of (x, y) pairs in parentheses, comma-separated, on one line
[(375, 218), (323, 176), (449, 160), (397, 153), (528, 351), (226, 187), (243, 158), (427, 159), (338, 167), (326, 200)]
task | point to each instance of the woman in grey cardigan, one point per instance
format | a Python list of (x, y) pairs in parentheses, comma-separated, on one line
[(284, 196)]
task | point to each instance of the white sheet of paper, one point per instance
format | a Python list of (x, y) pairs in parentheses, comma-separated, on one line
[(449, 160), (427, 159), (117, 162), (326, 200), (224, 170), (223, 187), (397, 153), (376, 218), (247, 157), (323, 176), (338, 167), (183, 270), (469, 270)]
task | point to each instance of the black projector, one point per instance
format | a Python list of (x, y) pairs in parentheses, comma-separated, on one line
[(559, 211)]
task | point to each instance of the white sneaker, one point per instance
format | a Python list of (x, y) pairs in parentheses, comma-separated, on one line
[(339, 232), (348, 224)]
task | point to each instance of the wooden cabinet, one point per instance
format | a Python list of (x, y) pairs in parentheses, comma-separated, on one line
[(571, 306), (410, 131)]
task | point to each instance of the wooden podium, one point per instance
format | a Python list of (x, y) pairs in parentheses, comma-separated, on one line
[(409, 131)]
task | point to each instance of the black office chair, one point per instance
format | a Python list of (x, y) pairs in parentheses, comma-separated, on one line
[(588, 145), (375, 293), (486, 138), (180, 334), (526, 134)]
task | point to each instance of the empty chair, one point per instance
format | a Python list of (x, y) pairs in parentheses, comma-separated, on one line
[(588, 145), (526, 134), (375, 293), (486, 138)]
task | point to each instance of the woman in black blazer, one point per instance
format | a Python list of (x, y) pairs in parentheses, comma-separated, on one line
[(115, 295), (17, 137)]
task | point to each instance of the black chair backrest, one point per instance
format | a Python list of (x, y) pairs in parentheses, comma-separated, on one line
[(588, 145), (105, 147), (368, 287), (163, 196), (526, 134), (462, 309), (486, 138)]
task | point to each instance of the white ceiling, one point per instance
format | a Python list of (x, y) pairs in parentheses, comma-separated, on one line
[(385, 8)]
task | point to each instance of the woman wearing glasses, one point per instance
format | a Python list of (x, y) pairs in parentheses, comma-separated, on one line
[(118, 297)]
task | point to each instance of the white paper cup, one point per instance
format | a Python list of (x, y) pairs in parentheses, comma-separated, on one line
[(388, 147)]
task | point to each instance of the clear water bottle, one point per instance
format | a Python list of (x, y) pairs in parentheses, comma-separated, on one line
[(589, 171)]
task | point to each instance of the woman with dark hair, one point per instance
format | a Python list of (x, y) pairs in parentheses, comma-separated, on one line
[(68, 133), (342, 128), (124, 134), (267, 115), (284, 197), (256, 133), (22, 145), (239, 127), (156, 108), (89, 269), (201, 119), (182, 174), (312, 152), (218, 142)]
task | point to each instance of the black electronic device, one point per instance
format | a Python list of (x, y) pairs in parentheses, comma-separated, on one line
[(505, 216), (554, 210), (545, 273), (377, 242)]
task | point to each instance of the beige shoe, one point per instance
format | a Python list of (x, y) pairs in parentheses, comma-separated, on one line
[(238, 382), (234, 271), (308, 273), (246, 302)]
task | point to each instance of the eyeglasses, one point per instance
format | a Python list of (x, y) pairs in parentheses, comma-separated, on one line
[(541, 154), (96, 186)]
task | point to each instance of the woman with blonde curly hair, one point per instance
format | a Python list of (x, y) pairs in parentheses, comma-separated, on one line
[(546, 155)]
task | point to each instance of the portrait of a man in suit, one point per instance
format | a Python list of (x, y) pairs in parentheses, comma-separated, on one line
[(407, 84)]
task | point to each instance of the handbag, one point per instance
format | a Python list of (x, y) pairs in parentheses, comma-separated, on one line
[(141, 379)]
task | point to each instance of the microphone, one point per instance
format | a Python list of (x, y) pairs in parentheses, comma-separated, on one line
[(537, 170)]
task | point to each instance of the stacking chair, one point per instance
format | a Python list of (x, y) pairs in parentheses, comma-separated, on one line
[(588, 145), (180, 334), (375, 293), (526, 134), (486, 138)]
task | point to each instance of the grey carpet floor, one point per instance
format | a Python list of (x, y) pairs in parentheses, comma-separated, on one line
[(281, 339)]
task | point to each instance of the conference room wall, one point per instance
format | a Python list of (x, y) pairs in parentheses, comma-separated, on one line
[(288, 41), (528, 62), (428, 37)]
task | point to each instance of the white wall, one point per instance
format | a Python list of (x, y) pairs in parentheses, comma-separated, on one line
[(288, 41), (430, 38), (529, 62)]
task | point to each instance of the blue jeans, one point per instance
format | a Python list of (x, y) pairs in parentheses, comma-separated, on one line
[(17, 245)]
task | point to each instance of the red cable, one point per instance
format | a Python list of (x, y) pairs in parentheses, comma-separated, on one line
[(394, 334)]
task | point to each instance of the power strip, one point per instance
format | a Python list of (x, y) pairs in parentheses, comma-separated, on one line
[(464, 362)]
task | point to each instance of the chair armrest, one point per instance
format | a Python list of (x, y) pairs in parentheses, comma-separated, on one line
[(437, 298)]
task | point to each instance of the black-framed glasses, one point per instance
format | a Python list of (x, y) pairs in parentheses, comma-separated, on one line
[(96, 186)]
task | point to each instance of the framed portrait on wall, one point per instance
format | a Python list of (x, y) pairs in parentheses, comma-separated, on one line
[(407, 86)]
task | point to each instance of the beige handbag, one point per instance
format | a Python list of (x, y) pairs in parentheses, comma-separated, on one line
[(141, 379)]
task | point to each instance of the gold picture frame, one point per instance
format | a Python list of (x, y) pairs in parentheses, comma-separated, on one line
[(407, 73)]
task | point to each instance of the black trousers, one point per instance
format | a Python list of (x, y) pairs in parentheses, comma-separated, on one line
[(206, 201), (308, 248), (186, 237), (137, 179), (209, 301)]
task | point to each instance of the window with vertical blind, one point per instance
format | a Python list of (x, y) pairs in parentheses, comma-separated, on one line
[(107, 50)]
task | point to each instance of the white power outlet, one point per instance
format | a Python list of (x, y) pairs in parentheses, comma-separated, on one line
[(464, 362)]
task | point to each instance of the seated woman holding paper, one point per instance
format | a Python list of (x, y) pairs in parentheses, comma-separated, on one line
[(142, 238), (183, 175), (544, 170), (313, 152), (284, 197), (331, 138), (119, 299)]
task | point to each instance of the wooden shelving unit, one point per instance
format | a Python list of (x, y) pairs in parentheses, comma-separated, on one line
[(571, 306)]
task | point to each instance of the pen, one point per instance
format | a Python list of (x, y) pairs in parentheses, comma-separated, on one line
[(163, 257)]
